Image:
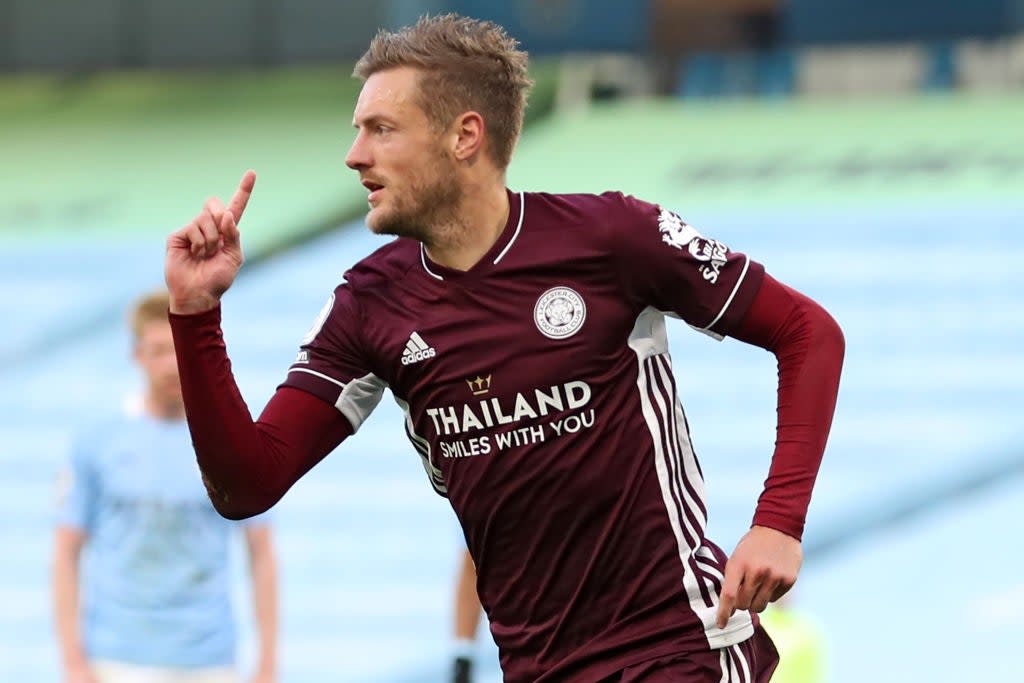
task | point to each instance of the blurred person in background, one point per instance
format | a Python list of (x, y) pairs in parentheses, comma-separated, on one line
[(466, 619), (801, 643), (141, 581), (523, 334)]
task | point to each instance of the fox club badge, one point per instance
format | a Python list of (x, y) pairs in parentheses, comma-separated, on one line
[(559, 313)]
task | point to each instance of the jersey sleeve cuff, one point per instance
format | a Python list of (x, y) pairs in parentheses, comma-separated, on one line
[(780, 522), (195, 320)]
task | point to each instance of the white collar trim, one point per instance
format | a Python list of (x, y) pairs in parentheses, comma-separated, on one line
[(515, 235)]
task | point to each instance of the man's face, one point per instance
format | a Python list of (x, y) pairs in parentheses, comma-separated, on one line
[(404, 160), (154, 352)]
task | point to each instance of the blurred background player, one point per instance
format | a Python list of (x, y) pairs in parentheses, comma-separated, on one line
[(151, 601), (800, 641), (467, 611)]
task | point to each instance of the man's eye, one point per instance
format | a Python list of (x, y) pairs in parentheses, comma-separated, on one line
[(383, 129)]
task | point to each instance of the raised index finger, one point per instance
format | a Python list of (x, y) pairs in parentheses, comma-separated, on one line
[(241, 197)]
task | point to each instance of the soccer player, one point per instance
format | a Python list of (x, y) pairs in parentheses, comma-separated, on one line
[(155, 601), (524, 336)]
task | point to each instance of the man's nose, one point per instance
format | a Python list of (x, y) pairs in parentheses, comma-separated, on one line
[(358, 156)]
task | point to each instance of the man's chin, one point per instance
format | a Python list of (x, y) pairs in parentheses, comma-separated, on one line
[(375, 227), (377, 222), (381, 223)]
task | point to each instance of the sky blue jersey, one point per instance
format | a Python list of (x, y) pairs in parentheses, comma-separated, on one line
[(155, 570)]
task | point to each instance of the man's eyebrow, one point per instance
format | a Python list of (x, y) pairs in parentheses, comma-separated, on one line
[(370, 119)]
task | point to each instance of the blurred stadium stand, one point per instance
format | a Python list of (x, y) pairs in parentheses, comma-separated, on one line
[(817, 22), (902, 213)]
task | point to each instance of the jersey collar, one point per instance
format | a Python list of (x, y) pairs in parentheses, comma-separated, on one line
[(498, 251)]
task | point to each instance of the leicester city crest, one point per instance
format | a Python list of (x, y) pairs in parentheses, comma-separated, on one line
[(559, 313)]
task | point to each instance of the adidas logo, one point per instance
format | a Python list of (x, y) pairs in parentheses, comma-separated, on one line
[(416, 350)]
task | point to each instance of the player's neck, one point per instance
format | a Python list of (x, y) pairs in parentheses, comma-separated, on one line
[(163, 408), (475, 226)]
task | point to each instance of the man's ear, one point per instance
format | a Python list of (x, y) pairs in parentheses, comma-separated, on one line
[(469, 132)]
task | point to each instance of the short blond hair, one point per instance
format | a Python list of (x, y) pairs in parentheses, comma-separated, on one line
[(466, 65), (150, 308)]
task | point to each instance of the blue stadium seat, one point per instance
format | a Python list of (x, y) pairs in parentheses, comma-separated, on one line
[(941, 70), (711, 74)]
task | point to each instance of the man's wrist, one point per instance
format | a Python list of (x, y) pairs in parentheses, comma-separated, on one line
[(779, 522), (193, 305)]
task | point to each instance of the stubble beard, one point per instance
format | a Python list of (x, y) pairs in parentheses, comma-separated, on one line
[(428, 206)]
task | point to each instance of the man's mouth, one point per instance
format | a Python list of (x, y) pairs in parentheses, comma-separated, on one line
[(374, 188)]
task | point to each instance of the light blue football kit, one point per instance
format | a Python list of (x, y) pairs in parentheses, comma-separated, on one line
[(155, 578)]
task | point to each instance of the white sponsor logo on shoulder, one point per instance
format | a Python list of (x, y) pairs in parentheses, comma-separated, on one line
[(559, 313), (416, 350), (710, 254), (675, 231)]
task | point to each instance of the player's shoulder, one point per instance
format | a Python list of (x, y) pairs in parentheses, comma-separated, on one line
[(594, 217), (579, 203), (382, 268), (388, 263), (568, 209)]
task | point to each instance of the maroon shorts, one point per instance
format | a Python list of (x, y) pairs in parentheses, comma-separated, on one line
[(752, 661)]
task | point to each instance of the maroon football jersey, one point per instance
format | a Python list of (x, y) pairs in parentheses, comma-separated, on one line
[(539, 395)]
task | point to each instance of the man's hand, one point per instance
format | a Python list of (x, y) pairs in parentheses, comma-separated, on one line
[(205, 255), (762, 569)]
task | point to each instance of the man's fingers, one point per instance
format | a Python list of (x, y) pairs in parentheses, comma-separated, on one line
[(763, 596), (781, 589), (216, 208), (753, 582), (192, 238), (725, 610), (229, 231), (241, 197), (201, 237), (207, 223), (730, 591)]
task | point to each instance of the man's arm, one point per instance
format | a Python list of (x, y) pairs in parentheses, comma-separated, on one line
[(247, 466), (467, 618), (809, 347), (467, 601), (68, 544), (263, 568), (667, 263)]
